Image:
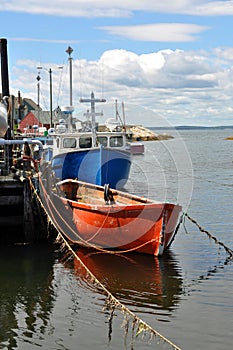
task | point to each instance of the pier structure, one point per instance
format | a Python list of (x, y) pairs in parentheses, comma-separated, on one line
[(21, 218)]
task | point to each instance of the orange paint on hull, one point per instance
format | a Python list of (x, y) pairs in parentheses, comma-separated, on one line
[(130, 223)]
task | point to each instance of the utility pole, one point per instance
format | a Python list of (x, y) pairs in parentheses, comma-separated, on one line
[(38, 89), (50, 91)]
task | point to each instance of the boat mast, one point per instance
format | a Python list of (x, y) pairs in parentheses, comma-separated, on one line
[(117, 114), (93, 100), (123, 111), (69, 51)]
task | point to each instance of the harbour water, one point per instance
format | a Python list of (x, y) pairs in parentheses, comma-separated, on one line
[(47, 302)]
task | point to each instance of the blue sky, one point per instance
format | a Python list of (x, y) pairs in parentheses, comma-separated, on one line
[(169, 62)]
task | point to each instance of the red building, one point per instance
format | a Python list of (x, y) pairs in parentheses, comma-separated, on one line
[(29, 121), (36, 119)]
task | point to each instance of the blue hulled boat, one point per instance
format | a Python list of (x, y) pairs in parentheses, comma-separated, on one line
[(84, 153)]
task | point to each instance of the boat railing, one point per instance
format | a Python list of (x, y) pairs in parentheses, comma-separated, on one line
[(12, 157)]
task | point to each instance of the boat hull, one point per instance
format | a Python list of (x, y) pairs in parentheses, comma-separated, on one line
[(98, 166), (145, 226)]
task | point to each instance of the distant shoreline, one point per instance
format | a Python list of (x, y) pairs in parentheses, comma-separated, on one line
[(152, 133), (191, 127)]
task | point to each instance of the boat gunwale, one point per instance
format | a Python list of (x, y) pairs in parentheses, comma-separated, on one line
[(110, 208), (140, 202), (63, 151)]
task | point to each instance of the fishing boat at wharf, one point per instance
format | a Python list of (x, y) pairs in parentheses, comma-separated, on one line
[(105, 218), (97, 157), (79, 150)]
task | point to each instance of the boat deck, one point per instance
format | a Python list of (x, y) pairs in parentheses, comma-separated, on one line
[(90, 194)]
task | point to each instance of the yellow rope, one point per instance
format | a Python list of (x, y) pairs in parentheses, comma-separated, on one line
[(142, 326)]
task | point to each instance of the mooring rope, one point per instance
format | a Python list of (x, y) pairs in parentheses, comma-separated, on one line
[(142, 326), (227, 249), (114, 302)]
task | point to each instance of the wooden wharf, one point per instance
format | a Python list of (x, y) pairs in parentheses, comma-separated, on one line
[(22, 220)]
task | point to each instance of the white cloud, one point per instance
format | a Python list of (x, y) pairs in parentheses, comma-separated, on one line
[(225, 53), (163, 69), (52, 41), (160, 32), (69, 8), (181, 87), (118, 8), (184, 87)]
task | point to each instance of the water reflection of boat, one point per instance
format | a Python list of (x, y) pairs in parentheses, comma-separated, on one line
[(26, 292), (135, 279)]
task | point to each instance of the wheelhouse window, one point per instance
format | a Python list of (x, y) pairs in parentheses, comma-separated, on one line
[(49, 142), (69, 142), (85, 142), (116, 141), (102, 140)]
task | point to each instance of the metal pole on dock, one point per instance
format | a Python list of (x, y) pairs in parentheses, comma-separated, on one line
[(6, 94), (4, 68), (5, 75)]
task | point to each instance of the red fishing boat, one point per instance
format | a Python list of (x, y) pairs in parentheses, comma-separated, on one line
[(106, 218)]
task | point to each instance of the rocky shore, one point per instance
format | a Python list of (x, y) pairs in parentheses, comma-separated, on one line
[(140, 133), (144, 134)]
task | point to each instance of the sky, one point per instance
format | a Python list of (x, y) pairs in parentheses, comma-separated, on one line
[(169, 62)]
